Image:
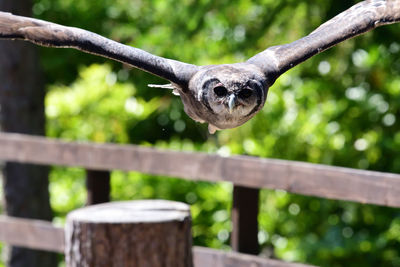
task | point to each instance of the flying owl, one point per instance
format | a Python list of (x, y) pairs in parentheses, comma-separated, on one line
[(224, 96)]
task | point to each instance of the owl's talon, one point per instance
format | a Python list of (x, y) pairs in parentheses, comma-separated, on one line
[(212, 129)]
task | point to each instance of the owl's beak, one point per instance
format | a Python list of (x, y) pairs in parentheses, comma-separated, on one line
[(231, 102)]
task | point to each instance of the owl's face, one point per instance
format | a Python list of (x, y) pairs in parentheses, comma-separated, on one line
[(227, 95)]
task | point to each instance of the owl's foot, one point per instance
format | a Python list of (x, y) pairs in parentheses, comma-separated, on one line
[(212, 128)]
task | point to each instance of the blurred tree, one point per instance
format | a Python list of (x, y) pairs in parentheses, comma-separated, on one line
[(22, 111)]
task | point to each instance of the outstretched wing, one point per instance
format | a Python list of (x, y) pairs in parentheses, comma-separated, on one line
[(53, 35), (357, 20)]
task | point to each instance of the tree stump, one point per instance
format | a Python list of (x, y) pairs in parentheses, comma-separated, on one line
[(145, 233)]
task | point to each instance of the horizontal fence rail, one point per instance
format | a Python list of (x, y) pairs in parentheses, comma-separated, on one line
[(216, 258), (43, 235), (297, 177), (35, 234)]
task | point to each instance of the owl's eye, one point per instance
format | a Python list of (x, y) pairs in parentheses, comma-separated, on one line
[(245, 93), (220, 91)]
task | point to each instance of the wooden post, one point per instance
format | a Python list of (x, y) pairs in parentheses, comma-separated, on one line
[(145, 233), (98, 186), (244, 236)]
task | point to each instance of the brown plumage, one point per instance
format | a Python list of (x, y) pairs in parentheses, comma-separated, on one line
[(225, 96)]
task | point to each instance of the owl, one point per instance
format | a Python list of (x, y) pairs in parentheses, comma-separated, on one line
[(224, 96)]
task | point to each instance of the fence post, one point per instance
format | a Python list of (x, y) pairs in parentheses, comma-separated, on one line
[(244, 237), (145, 233), (97, 186)]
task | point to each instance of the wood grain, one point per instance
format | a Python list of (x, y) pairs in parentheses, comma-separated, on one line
[(35, 234), (140, 233), (217, 258), (43, 235), (297, 177)]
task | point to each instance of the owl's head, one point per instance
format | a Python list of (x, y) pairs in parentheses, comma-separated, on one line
[(229, 94)]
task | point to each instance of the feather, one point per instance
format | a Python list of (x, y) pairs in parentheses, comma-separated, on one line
[(169, 86)]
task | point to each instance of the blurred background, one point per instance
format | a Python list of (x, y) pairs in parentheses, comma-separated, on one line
[(338, 108)]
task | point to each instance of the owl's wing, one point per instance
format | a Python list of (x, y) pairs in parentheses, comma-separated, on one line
[(53, 35), (357, 20)]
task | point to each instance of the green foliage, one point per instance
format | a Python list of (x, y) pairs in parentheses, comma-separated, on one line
[(209, 205), (67, 191), (98, 105), (339, 108), (1, 263)]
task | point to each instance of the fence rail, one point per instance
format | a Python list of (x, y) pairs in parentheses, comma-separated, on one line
[(35, 234), (248, 175), (43, 235), (297, 177)]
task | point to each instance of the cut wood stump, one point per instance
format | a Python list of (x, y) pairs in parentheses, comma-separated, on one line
[(145, 233)]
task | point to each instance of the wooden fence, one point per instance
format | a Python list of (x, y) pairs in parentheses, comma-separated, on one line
[(248, 174)]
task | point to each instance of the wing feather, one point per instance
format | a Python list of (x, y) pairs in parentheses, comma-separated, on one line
[(53, 35), (357, 20)]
